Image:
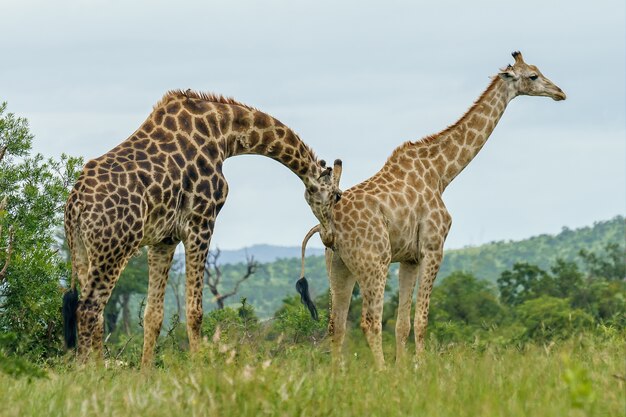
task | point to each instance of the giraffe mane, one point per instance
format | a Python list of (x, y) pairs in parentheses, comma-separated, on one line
[(219, 98), (429, 139), (201, 95)]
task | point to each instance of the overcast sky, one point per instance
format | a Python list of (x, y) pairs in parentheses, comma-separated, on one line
[(355, 79)]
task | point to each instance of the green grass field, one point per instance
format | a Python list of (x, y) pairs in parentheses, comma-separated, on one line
[(579, 377)]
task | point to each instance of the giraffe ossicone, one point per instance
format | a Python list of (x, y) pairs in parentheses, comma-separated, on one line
[(161, 186), (398, 215)]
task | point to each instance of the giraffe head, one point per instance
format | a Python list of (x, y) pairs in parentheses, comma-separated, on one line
[(526, 80), (323, 191)]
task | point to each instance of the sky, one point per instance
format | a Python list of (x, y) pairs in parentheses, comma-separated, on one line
[(355, 79)]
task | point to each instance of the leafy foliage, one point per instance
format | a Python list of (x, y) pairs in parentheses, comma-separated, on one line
[(35, 190), (230, 324), (295, 322), (547, 318), (534, 305)]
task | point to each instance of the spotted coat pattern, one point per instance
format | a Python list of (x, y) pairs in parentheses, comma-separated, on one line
[(398, 215), (164, 185)]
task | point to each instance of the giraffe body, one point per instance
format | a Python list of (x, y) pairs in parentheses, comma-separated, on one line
[(164, 185), (398, 215)]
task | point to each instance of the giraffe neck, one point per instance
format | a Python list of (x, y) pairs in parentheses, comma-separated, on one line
[(255, 133), (460, 143)]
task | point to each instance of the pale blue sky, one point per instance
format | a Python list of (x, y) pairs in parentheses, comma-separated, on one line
[(354, 79)]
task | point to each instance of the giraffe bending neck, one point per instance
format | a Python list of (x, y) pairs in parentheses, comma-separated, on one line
[(240, 130), (276, 141)]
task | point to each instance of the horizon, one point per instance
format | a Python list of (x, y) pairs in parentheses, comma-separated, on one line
[(554, 234)]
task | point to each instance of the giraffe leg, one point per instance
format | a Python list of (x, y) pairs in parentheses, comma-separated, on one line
[(94, 296), (341, 286), (372, 292), (159, 263), (196, 250), (407, 278), (428, 268)]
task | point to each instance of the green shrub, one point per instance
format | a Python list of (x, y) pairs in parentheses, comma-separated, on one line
[(294, 321), (549, 318), (233, 324)]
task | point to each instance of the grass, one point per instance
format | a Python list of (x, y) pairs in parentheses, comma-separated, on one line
[(579, 377)]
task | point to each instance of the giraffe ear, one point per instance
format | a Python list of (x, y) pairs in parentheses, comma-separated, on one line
[(508, 74), (326, 174)]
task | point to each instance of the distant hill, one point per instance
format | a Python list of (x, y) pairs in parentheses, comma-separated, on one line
[(275, 280), (264, 253)]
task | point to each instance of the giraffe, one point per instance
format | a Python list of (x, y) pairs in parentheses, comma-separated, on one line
[(161, 186), (398, 215)]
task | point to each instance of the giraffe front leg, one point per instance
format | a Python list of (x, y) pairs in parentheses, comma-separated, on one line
[(196, 250), (429, 266), (407, 278), (159, 263), (341, 286)]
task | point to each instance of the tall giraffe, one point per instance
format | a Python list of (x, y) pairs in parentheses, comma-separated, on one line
[(161, 186), (398, 215)]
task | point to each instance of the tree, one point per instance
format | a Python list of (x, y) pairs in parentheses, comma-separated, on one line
[(522, 283), (33, 191), (464, 298), (567, 278), (548, 318), (610, 265), (213, 274)]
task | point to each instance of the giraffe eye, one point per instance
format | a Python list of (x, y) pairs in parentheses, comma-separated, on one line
[(534, 77)]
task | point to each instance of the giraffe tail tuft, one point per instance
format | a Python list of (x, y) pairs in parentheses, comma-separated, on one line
[(70, 305), (302, 286)]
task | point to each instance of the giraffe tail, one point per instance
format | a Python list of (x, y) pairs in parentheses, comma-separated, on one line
[(70, 305), (302, 286), (70, 298)]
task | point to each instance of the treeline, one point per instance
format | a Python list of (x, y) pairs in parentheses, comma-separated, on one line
[(274, 281), (526, 305), (529, 303)]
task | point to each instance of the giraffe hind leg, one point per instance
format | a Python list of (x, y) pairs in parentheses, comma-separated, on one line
[(407, 278), (95, 293), (196, 250), (80, 267)]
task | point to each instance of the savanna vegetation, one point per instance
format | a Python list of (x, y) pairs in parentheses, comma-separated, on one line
[(516, 328)]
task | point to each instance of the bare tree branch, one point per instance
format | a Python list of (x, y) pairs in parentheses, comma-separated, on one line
[(251, 268), (9, 249), (214, 276), (3, 150)]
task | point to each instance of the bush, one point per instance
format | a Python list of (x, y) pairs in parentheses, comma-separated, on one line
[(33, 192), (548, 318), (234, 324), (295, 322), (13, 365)]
